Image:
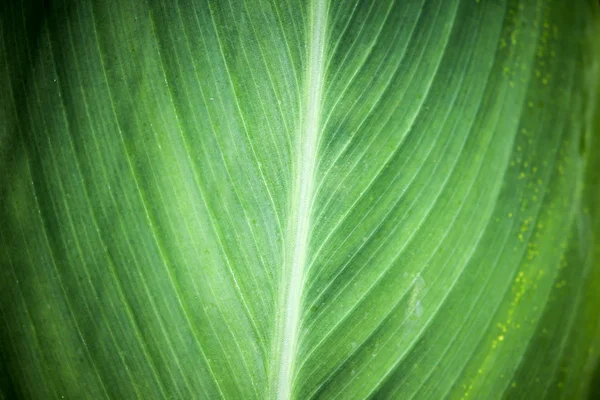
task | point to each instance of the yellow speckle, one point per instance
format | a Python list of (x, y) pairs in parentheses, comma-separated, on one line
[(513, 38), (561, 284)]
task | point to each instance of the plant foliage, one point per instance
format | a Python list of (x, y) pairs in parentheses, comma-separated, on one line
[(277, 199)]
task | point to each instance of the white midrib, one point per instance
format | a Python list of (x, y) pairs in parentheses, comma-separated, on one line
[(301, 207)]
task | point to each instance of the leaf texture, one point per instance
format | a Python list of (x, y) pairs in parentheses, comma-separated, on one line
[(319, 199)]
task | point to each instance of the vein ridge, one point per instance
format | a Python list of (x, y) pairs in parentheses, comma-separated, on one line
[(298, 233)]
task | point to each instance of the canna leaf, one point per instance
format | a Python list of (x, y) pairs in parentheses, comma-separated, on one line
[(293, 200)]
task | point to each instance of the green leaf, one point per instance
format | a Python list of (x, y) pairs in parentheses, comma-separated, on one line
[(319, 199)]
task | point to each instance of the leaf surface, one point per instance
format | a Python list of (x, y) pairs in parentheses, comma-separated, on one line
[(317, 199)]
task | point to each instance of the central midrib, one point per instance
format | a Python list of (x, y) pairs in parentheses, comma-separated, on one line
[(299, 224)]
